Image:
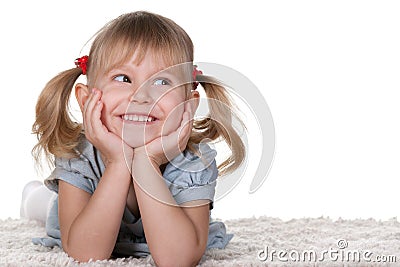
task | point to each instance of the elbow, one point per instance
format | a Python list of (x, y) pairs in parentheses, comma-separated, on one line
[(185, 255), (84, 258), (183, 258), (177, 261), (85, 255)]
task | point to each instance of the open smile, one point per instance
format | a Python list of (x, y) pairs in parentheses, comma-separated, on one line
[(138, 118)]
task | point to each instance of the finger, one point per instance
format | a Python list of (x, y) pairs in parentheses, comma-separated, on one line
[(85, 112), (178, 138), (187, 117), (97, 124), (85, 106), (90, 111), (185, 129), (187, 125), (179, 128), (191, 113)]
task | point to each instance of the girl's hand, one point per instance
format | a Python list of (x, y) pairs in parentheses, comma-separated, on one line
[(111, 146), (167, 147)]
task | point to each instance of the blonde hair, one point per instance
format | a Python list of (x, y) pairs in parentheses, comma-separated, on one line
[(58, 135)]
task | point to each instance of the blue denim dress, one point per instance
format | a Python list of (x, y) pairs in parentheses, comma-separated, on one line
[(187, 176)]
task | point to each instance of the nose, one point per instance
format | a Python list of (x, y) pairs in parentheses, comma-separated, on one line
[(141, 95)]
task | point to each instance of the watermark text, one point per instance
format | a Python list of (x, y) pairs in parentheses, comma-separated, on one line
[(340, 253)]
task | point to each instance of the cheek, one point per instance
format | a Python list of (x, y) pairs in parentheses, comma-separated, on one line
[(173, 118), (110, 102), (106, 106)]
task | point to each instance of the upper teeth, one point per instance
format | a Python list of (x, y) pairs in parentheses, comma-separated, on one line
[(138, 118)]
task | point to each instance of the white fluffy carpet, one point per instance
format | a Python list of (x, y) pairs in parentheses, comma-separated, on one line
[(330, 240)]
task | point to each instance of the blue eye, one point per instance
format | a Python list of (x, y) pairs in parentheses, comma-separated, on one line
[(122, 78), (161, 82)]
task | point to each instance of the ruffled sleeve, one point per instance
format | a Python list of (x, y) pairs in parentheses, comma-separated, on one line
[(83, 172), (192, 177)]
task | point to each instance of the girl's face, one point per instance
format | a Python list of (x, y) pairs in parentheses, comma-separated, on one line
[(142, 101)]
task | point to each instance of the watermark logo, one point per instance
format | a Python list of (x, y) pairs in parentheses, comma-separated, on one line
[(340, 253), (342, 244)]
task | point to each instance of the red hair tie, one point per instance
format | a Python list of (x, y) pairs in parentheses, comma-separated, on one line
[(194, 74), (82, 63)]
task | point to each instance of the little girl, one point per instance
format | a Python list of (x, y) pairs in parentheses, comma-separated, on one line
[(136, 177)]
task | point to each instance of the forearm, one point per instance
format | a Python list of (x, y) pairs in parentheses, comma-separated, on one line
[(163, 223), (94, 231)]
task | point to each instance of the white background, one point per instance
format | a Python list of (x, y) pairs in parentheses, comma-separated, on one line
[(329, 71)]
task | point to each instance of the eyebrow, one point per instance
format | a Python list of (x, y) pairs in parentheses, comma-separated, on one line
[(122, 68), (164, 72), (119, 68)]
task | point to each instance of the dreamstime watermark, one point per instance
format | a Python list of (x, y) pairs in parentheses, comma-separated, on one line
[(340, 253)]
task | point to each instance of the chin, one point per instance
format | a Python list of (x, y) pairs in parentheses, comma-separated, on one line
[(137, 141)]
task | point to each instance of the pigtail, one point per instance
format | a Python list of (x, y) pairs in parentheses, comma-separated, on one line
[(219, 123), (57, 134)]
